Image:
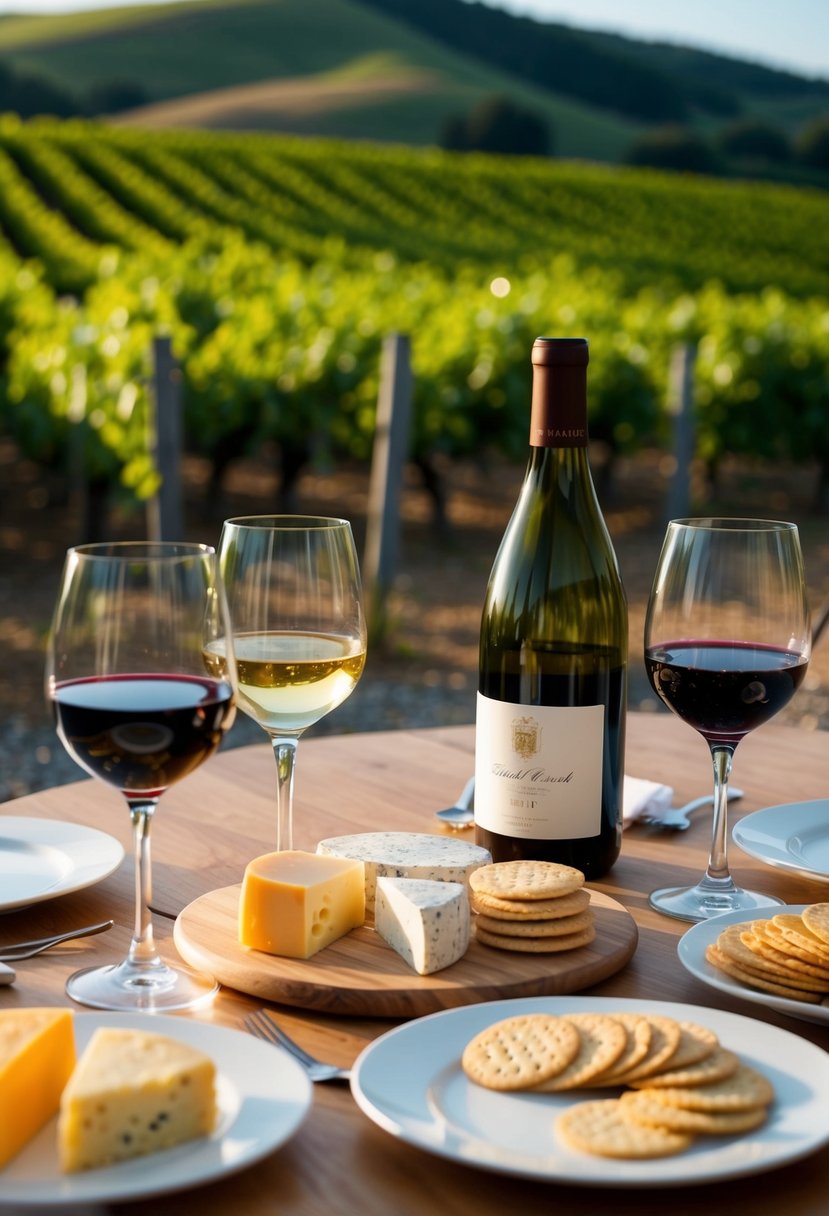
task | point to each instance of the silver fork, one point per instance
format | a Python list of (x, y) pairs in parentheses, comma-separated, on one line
[(20, 950), (677, 817), (262, 1025)]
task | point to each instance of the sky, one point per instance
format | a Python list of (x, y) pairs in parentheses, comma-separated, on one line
[(792, 34)]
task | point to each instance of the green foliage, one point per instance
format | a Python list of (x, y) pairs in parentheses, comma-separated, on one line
[(277, 267), (497, 124)]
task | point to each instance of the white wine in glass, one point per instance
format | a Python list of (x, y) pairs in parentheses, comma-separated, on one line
[(299, 634), (137, 708)]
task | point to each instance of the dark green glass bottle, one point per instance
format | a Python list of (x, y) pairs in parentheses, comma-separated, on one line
[(550, 737)]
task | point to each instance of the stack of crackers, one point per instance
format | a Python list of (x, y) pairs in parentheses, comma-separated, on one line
[(682, 1081), (531, 906), (787, 955)]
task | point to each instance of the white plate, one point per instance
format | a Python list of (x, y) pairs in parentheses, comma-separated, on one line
[(263, 1096), (42, 858), (410, 1083), (794, 837), (691, 950)]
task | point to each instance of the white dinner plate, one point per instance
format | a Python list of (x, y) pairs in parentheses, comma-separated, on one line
[(263, 1097), (42, 858), (691, 950), (794, 837), (410, 1082)]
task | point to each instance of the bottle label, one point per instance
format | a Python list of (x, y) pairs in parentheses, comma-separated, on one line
[(538, 769)]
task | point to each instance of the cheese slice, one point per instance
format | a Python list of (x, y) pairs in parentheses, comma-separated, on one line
[(133, 1092), (426, 922), (37, 1055), (407, 855), (295, 903)]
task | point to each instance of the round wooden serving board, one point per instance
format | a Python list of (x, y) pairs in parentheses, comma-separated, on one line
[(361, 974)]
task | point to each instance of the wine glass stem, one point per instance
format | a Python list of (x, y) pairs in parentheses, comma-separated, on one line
[(142, 952), (284, 749), (718, 858)]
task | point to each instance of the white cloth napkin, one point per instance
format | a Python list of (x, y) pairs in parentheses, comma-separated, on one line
[(643, 797)]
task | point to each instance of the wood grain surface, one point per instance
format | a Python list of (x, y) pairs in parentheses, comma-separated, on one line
[(361, 974)]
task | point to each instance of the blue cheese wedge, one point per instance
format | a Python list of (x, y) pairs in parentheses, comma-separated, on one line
[(133, 1092), (407, 855), (426, 922)]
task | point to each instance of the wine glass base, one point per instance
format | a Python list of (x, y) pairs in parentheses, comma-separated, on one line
[(702, 903), (131, 989)]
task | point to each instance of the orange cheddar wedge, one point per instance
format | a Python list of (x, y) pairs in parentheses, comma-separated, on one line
[(37, 1055), (295, 903)]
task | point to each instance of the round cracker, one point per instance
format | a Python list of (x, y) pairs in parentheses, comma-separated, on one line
[(794, 928), (645, 1108), (816, 919), (639, 1035), (535, 928), (603, 1039), (730, 942), (598, 1127), (536, 945), (794, 945), (526, 879), (530, 909), (695, 1043), (753, 979), (745, 1089), (719, 1064), (665, 1036), (520, 1051), (759, 943)]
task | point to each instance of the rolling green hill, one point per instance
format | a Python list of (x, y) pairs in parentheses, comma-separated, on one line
[(273, 40), (215, 48)]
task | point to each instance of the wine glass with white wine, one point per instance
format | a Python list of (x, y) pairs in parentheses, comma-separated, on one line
[(299, 633)]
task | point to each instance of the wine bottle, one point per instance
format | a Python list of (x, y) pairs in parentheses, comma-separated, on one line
[(552, 690)]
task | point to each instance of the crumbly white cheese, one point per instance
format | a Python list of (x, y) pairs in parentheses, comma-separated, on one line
[(407, 855), (426, 922)]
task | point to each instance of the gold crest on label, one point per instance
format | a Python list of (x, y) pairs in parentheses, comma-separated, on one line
[(526, 737)]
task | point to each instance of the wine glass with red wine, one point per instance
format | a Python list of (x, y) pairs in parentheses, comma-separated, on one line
[(136, 706), (727, 643)]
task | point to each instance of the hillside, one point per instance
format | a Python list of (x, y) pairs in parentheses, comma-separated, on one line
[(326, 67)]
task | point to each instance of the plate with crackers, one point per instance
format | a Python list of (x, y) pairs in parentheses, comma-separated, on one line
[(793, 837), (777, 957), (598, 1091)]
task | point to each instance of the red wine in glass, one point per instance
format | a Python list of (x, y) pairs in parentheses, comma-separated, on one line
[(727, 644), (724, 689), (142, 732)]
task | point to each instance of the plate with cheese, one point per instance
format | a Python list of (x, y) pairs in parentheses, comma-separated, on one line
[(131, 1084), (379, 924)]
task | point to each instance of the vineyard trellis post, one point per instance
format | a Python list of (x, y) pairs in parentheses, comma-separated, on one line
[(680, 410), (165, 516), (389, 455)]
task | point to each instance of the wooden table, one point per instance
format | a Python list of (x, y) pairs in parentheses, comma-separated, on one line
[(339, 1162)]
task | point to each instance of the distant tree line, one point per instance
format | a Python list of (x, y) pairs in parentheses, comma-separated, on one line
[(747, 146), (651, 83), (30, 96)]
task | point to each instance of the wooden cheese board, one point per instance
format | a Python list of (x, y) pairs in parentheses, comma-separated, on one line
[(361, 974)]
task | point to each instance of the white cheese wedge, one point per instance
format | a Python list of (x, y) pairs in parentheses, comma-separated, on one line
[(407, 855), (426, 922), (133, 1092)]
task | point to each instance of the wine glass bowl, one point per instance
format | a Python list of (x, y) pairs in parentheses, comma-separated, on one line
[(136, 707), (727, 644), (299, 634)]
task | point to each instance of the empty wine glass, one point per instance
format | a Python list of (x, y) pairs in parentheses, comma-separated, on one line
[(299, 634), (136, 707), (727, 643)]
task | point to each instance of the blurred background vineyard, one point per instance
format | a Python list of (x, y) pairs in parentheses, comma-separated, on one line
[(276, 258)]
